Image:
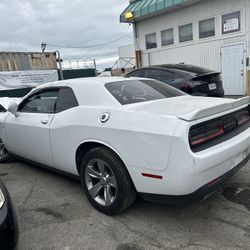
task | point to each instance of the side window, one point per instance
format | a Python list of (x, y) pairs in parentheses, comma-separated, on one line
[(66, 100), (151, 41), (160, 75), (207, 28), (137, 73), (41, 102), (167, 37), (186, 33)]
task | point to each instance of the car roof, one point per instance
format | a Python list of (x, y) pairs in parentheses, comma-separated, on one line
[(181, 69), (187, 67), (90, 90), (78, 81)]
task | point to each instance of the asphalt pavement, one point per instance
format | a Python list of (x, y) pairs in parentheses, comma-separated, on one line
[(53, 213)]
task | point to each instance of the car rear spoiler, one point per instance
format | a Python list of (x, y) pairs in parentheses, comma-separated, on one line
[(199, 114), (204, 75)]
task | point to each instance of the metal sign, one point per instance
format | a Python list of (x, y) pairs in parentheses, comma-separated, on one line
[(29, 78), (231, 25)]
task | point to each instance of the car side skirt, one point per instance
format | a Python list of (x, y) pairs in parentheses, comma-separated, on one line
[(55, 170)]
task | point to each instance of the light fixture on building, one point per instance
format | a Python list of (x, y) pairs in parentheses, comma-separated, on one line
[(43, 46), (129, 15)]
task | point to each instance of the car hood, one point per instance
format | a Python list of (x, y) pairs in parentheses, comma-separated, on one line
[(189, 107)]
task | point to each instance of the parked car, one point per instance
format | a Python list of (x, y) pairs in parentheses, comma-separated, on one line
[(8, 221), (128, 136), (188, 78)]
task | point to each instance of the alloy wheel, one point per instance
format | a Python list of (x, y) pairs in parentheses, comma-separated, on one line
[(101, 182)]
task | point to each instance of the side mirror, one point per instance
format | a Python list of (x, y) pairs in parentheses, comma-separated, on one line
[(9, 104), (13, 108)]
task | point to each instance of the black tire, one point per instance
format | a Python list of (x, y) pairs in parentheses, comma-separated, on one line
[(125, 193), (5, 157)]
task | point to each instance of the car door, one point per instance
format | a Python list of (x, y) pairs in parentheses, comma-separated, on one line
[(63, 131), (28, 132)]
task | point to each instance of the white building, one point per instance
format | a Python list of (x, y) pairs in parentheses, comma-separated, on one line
[(126, 56), (210, 33)]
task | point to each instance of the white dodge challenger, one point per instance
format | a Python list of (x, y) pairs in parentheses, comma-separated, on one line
[(127, 136)]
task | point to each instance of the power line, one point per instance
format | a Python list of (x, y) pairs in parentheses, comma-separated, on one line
[(88, 47)]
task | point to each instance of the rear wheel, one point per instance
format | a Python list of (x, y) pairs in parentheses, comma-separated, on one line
[(106, 181), (4, 154)]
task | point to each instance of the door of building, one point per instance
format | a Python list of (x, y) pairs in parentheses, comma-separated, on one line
[(232, 69)]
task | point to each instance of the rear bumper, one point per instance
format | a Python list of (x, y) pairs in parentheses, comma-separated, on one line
[(8, 223), (199, 194)]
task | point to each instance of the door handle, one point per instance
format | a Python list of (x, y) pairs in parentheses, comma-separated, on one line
[(44, 121)]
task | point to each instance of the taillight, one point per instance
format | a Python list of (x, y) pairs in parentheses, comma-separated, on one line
[(186, 85), (205, 134), (243, 117), (201, 133)]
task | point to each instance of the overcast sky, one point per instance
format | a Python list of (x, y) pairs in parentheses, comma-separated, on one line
[(25, 24)]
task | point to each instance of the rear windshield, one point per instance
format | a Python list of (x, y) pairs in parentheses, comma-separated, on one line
[(190, 68), (134, 91)]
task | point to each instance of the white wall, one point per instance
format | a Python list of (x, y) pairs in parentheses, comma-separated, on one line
[(126, 54), (203, 52)]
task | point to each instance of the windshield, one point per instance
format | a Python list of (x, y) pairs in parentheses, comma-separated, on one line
[(135, 91)]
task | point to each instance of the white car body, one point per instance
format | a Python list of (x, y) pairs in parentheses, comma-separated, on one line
[(151, 138)]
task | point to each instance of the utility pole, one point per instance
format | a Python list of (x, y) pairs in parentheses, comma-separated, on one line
[(43, 46), (59, 60), (95, 66)]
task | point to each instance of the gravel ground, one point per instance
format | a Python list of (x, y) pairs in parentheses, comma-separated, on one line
[(53, 213)]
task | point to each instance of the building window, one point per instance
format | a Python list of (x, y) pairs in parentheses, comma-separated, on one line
[(231, 22), (186, 33), (167, 37), (207, 28), (151, 41)]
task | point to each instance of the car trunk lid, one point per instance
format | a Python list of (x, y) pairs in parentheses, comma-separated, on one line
[(187, 107), (209, 83)]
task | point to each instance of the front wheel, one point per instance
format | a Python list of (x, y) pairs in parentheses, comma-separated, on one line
[(106, 181), (4, 154)]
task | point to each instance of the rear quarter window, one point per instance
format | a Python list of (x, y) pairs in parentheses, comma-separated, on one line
[(66, 100), (135, 91)]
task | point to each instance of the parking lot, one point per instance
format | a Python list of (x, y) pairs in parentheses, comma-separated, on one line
[(53, 213)]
